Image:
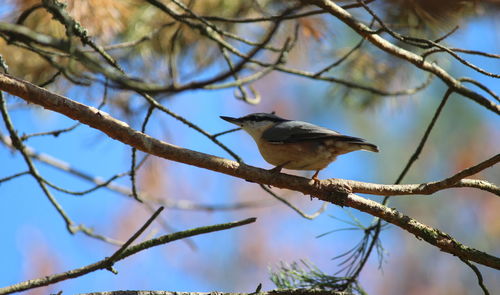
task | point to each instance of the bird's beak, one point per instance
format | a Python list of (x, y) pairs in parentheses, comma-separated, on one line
[(231, 120)]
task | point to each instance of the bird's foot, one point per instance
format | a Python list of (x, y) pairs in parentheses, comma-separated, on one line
[(315, 177), (315, 180), (276, 169)]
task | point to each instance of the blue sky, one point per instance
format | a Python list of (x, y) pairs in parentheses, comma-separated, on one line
[(34, 235)]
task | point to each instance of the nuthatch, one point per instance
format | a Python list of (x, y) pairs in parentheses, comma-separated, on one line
[(297, 145)]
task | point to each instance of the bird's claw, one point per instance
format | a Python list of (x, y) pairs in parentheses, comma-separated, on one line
[(315, 178)]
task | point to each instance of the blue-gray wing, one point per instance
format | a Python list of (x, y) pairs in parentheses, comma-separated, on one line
[(297, 131)]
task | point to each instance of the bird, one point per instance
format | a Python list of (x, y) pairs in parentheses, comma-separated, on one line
[(297, 145)]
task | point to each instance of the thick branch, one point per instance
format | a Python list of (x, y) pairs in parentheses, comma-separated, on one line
[(339, 192), (272, 292)]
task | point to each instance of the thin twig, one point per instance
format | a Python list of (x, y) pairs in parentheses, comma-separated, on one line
[(225, 132), (424, 43), (345, 56), (120, 189), (483, 87), (468, 172), (134, 155), (378, 224), (478, 275), (54, 133), (18, 144), (118, 252), (424, 138), (461, 50), (103, 264), (13, 176), (293, 207), (447, 34), (404, 54), (271, 18)]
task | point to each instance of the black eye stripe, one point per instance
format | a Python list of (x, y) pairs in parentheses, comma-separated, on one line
[(259, 117)]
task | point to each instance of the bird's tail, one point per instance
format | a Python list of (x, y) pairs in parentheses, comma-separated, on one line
[(346, 144), (366, 146)]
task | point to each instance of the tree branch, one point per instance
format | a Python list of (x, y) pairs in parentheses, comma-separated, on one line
[(339, 192), (271, 292), (396, 51), (119, 255)]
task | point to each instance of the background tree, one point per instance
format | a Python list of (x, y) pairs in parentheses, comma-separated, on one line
[(418, 78)]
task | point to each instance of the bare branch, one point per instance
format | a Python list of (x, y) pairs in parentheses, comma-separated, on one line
[(423, 43), (293, 207), (341, 59), (335, 191), (483, 87), (466, 51), (124, 247), (271, 292), (109, 184), (479, 184), (478, 275), (17, 143), (420, 62), (467, 172), (427, 132), (13, 176), (271, 18), (122, 254)]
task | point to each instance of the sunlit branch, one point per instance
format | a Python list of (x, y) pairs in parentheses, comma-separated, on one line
[(270, 18), (483, 87), (420, 62), (116, 74), (58, 11), (340, 192), (461, 50), (424, 43)]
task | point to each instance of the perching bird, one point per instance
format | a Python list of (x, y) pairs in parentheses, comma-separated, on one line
[(297, 145)]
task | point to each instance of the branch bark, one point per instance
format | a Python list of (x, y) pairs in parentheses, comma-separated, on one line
[(340, 192), (271, 292)]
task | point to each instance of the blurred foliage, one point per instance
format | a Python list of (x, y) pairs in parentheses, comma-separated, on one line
[(426, 19), (111, 21), (422, 18)]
